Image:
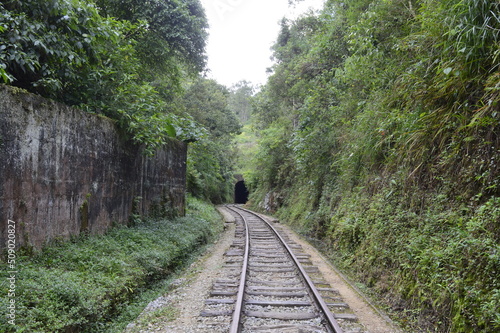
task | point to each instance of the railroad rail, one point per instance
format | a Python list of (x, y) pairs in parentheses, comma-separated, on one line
[(271, 286)]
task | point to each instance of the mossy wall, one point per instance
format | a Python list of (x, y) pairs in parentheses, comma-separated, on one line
[(64, 171)]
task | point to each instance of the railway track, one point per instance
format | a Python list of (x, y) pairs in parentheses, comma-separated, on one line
[(269, 285)]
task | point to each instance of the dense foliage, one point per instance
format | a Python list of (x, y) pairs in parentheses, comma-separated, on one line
[(137, 62), (91, 283), (239, 101), (128, 66), (379, 135), (176, 29), (211, 159)]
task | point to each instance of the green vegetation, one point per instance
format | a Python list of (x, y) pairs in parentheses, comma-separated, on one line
[(247, 149), (137, 62), (240, 100), (379, 137), (92, 284), (439, 266), (123, 59), (156, 317), (211, 159), (241, 104)]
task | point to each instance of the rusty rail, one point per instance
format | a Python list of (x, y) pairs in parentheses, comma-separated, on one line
[(332, 323), (235, 323)]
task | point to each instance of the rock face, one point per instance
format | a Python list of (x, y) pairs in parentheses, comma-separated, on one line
[(64, 171)]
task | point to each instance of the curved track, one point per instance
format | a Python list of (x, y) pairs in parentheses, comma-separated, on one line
[(275, 291), (268, 284)]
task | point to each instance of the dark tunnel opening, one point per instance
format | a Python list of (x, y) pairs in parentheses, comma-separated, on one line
[(240, 193)]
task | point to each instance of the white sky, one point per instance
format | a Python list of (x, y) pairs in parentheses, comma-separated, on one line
[(241, 35)]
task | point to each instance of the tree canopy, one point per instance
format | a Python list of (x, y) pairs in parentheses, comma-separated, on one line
[(211, 161), (240, 100), (126, 60), (175, 29)]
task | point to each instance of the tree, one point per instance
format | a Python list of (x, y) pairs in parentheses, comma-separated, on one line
[(240, 100), (211, 159), (67, 50), (176, 28), (207, 101), (47, 46)]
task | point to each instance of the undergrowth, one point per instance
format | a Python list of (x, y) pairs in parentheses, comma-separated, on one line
[(434, 263), (379, 135), (86, 284)]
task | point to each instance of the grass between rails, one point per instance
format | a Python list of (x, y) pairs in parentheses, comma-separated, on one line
[(100, 283)]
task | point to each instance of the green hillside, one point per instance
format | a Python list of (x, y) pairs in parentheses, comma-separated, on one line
[(380, 138)]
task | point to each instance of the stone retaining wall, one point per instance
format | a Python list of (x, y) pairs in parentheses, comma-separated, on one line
[(64, 171)]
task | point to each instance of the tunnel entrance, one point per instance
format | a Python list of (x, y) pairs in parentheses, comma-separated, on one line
[(240, 193)]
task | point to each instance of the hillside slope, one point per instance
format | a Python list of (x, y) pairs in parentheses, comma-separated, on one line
[(379, 137)]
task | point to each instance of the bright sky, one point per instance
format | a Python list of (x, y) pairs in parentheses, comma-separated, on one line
[(241, 35)]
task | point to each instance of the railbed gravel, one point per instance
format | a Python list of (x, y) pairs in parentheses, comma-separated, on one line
[(191, 294)]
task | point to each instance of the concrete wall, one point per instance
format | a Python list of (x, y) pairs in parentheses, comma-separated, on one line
[(64, 171)]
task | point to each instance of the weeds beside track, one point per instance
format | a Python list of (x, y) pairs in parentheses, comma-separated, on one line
[(86, 284)]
